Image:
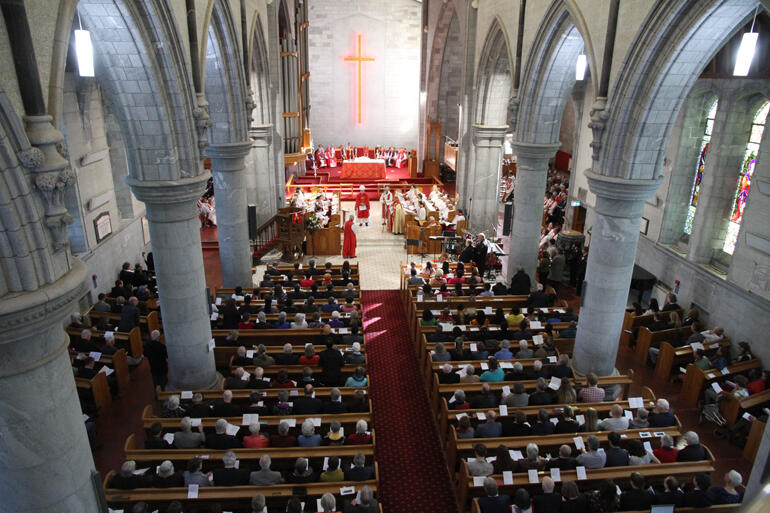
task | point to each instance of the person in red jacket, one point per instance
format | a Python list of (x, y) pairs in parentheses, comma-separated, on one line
[(362, 207), (360, 437)]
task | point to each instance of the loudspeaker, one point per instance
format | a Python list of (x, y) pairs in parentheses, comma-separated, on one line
[(252, 216)]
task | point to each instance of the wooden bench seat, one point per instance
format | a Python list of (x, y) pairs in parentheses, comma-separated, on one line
[(116, 362), (96, 389), (632, 322), (269, 337), (734, 408), (147, 323), (722, 508), (131, 341), (671, 356), (242, 395), (223, 354), (647, 339), (696, 379)]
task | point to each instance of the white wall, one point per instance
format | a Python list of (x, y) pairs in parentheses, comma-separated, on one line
[(391, 34)]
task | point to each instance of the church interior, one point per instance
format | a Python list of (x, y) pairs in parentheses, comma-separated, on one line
[(355, 256)]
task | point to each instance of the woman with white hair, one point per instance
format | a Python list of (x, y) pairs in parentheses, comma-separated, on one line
[(727, 494), (299, 321), (308, 438), (361, 436), (167, 477), (171, 408), (281, 323), (328, 502)]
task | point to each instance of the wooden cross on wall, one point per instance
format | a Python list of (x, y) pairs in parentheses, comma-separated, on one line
[(359, 59)]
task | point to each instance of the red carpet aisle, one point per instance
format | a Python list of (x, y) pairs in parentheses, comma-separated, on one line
[(413, 471)]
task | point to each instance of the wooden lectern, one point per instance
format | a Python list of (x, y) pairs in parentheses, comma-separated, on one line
[(291, 232)]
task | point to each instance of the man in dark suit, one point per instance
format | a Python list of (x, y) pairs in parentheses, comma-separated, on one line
[(307, 405), (697, 497), (335, 404), (119, 290), (297, 293), (694, 451), (637, 498), (85, 344), (486, 399), (493, 502), (565, 461), (87, 371), (231, 476), (661, 416), (521, 284), (126, 480), (562, 369), (616, 455), (331, 361), (129, 316), (359, 471), (541, 396), (671, 493), (446, 376), (548, 502), (224, 407), (157, 355), (126, 274), (220, 440), (671, 303), (287, 357)]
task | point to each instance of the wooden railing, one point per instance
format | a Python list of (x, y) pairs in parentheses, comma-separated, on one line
[(265, 240)]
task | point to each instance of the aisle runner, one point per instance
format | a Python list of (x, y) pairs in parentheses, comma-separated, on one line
[(413, 471)]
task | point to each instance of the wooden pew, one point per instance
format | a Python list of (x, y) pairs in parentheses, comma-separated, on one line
[(147, 323), (250, 456), (131, 341), (448, 417), (733, 408), (116, 362), (223, 354), (722, 508), (670, 357), (144, 306), (620, 475), (631, 322), (696, 379), (242, 395), (97, 388), (646, 339), (754, 439), (290, 268), (269, 337)]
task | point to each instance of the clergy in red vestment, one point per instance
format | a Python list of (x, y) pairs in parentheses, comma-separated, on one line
[(362, 207), (400, 157), (320, 158), (349, 244), (330, 158)]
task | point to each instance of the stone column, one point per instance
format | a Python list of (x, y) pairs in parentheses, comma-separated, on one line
[(488, 152), (264, 193), (176, 246), (531, 175), (45, 459), (228, 168), (618, 211)]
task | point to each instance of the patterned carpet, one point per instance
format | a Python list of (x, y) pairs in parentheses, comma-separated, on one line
[(413, 471)]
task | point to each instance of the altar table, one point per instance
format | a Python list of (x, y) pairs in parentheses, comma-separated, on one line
[(366, 169)]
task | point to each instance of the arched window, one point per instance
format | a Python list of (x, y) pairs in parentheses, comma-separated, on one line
[(704, 149), (744, 179)]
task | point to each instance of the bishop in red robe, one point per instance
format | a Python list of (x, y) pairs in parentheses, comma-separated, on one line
[(349, 243), (362, 207)]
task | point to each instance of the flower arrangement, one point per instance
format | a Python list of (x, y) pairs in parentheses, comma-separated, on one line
[(312, 223)]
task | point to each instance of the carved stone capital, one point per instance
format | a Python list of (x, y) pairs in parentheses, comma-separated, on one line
[(202, 123), (250, 106), (513, 108), (31, 158), (599, 116)]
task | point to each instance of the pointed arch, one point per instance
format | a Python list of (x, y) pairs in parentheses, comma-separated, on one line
[(259, 67), (494, 80), (224, 83)]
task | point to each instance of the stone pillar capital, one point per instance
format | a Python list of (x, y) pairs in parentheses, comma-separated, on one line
[(261, 134), (488, 135), (228, 156), (170, 200), (534, 152), (621, 197)]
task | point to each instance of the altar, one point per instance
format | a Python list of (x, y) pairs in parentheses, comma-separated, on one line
[(363, 168)]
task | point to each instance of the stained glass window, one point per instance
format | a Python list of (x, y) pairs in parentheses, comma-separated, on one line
[(744, 179), (704, 150)]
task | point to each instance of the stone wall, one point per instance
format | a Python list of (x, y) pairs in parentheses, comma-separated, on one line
[(391, 35)]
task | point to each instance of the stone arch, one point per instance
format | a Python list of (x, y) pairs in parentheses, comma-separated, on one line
[(446, 18), (667, 56), (223, 79), (494, 82), (259, 67), (141, 67), (549, 76)]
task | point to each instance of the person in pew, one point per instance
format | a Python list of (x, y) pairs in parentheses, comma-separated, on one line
[(458, 401), (693, 451), (129, 315), (591, 423), (744, 352), (126, 479), (328, 501), (361, 436), (567, 422), (666, 453), (244, 323), (503, 461), (592, 393), (670, 494), (330, 306), (640, 420), (120, 290), (231, 340), (308, 438), (355, 334), (615, 456), (549, 501), (236, 381), (198, 409), (606, 499), (494, 373), (255, 440), (262, 358), (491, 428), (542, 395), (470, 375), (617, 421), (331, 361), (532, 460), (562, 369), (537, 370), (758, 381), (77, 320), (281, 323), (505, 352), (522, 333), (308, 404), (220, 440), (464, 428), (661, 415), (538, 298), (85, 344), (156, 440), (564, 461), (459, 352), (516, 425), (101, 305), (335, 405), (671, 303), (156, 353), (566, 393), (231, 475), (287, 357), (573, 500), (590, 456), (698, 497), (543, 426), (363, 503), (638, 455), (87, 371), (282, 438), (258, 503), (335, 435), (479, 466), (522, 503), (637, 497), (224, 407), (727, 494), (167, 477), (333, 472), (446, 376), (193, 474), (186, 439), (171, 408), (240, 358), (264, 476), (261, 322), (335, 321), (516, 373), (315, 321), (256, 405), (570, 332), (302, 473), (355, 356), (519, 396), (494, 502), (486, 399), (283, 406)]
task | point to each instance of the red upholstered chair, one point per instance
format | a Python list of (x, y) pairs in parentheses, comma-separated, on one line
[(360, 151), (370, 153), (338, 155)]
